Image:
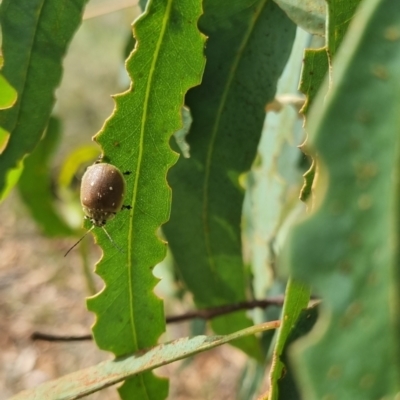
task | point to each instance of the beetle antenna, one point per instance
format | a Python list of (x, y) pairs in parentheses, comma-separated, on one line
[(80, 240), (112, 241)]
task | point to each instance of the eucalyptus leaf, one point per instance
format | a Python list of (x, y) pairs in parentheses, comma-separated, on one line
[(35, 184), (247, 49), (168, 59), (89, 380), (348, 248), (8, 95), (35, 36)]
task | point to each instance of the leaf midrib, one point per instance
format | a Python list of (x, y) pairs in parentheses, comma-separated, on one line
[(139, 164)]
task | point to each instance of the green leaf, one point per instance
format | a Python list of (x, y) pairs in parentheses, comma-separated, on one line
[(340, 14), (80, 156), (36, 34), (318, 63), (275, 177), (308, 179), (35, 184), (248, 46), (107, 373), (315, 68), (167, 61), (348, 250), (287, 386), (297, 296), (8, 95), (12, 178)]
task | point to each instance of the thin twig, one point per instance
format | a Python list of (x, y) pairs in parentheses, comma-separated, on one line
[(206, 314), (48, 337), (210, 313)]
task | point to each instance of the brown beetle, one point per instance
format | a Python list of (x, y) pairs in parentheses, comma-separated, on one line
[(102, 195)]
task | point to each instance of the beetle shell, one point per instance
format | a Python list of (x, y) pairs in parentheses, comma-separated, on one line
[(102, 192)]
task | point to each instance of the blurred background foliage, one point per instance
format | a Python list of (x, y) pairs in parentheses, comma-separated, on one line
[(50, 193), (40, 290)]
